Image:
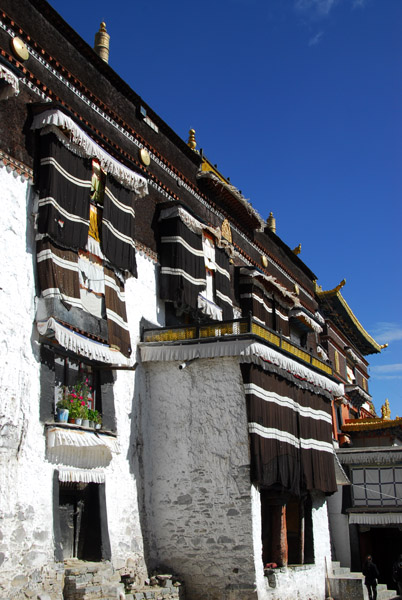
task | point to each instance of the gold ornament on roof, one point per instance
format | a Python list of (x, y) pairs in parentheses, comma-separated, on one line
[(264, 261), (101, 45), (191, 139), (19, 48), (297, 250), (226, 231), (271, 222), (386, 411)]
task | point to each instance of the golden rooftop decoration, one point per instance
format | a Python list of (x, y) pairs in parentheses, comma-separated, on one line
[(382, 346), (264, 261), (226, 231), (271, 222), (101, 45), (191, 139), (297, 250), (144, 157), (386, 411)]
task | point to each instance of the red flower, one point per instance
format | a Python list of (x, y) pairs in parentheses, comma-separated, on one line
[(82, 403)]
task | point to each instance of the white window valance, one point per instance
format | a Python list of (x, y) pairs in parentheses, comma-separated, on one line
[(12, 87), (88, 147), (80, 449), (73, 475), (82, 345)]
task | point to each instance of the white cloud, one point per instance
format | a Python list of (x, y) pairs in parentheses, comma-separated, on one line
[(396, 367), (315, 39), (385, 332), (387, 372), (321, 8)]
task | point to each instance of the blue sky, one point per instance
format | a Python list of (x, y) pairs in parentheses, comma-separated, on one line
[(299, 102)]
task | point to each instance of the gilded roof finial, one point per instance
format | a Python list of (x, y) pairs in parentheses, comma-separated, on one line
[(297, 250), (386, 411), (271, 222), (340, 285), (382, 346), (101, 45), (191, 139)]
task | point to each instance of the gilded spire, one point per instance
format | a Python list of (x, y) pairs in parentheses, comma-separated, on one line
[(191, 139), (271, 222), (101, 45), (386, 411), (297, 250)]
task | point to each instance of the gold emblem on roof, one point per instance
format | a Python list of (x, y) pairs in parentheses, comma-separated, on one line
[(386, 411), (226, 231)]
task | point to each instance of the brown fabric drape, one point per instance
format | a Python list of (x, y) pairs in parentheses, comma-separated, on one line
[(118, 227), (118, 333), (183, 273), (290, 434), (58, 272), (64, 190), (254, 300), (223, 287)]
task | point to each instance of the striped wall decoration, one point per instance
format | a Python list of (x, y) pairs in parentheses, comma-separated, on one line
[(118, 227), (223, 286), (64, 194), (290, 434), (254, 300), (183, 274)]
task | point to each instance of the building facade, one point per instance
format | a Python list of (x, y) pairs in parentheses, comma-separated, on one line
[(143, 292)]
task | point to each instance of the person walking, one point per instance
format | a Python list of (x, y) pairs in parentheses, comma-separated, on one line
[(397, 574), (371, 575)]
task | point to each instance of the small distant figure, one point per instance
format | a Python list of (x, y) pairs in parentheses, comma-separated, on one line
[(397, 574), (371, 575)]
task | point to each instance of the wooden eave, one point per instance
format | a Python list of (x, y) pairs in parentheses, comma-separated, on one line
[(337, 310), (230, 199)]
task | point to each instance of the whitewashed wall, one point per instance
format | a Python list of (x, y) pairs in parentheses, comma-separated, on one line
[(339, 527), (26, 478), (26, 517), (122, 476), (197, 480)]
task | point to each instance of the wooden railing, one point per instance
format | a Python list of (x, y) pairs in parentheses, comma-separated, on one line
[(238, 328)]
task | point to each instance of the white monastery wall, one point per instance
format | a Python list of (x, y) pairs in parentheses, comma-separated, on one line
[(26, 515), (122, 475), (26, 478), (339, 526), (197, 480)]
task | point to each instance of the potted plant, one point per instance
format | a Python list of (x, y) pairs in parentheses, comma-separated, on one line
[(62, 409), (92, 415), (84, 410), (98, 421)]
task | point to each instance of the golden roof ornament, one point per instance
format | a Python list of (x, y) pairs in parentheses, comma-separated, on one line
[(226, 231), (271, 222), (297, 250), (101, 45), (191, 139), (386, 411)]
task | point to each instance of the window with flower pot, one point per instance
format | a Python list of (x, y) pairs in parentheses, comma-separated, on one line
[(60, 374)]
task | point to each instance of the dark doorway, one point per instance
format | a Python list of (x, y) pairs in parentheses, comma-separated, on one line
[(384, 544), (80, 521)]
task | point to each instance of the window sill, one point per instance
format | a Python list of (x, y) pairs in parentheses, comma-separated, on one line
[(79, 427)]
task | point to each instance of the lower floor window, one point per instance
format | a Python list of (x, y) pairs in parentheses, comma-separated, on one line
[(287, 530)]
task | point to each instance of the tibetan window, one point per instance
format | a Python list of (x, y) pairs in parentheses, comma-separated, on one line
[(85, 241), (195, 273), (290, 428)]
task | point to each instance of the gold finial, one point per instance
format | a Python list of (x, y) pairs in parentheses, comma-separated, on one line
[(271, 222), (340, 285), (297, 250), (191, 139), (383, 346), (101, 45), (386, 411)]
